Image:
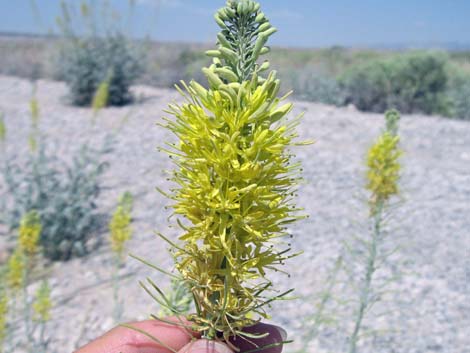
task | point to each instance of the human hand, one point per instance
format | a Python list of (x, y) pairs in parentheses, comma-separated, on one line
[(172, 339)]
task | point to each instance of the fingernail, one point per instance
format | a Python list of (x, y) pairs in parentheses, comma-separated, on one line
[(282, 332), (205, 346)]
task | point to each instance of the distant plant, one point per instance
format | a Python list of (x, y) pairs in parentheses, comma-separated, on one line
[(190, 62), (42, 305), (410, 83), (88, 62), (315, 87), (16, 268), (120, 225), (120, 233), (383, 174), (34, 113), (459, 96), (179, 299), (99, 53), (360, 269), (64, 195), (29, 233), (34, 312), (101, 97), (3, 130)]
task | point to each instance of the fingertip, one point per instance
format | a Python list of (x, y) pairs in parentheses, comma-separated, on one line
[(205, 346)]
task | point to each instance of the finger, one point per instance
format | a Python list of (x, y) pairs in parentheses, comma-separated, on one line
[(205, 346), (272, 343), (167, 338)]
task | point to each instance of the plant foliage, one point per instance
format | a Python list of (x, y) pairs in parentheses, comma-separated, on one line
[(63, 194), (235, 179), (410, 83), (98, 55), (459, 96)]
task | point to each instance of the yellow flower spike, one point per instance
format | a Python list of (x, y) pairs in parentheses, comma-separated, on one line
[(120, 224), (3, 129), (382, 161), (100, 99), (226, 247), (34, 110), (16, 270), (42, 304), (235, 179), (30, 232)]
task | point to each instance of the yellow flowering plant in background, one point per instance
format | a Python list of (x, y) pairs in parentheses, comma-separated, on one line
[(3, 130), (235, 180), (382, 161), (42, 304), (34, 112), (382, 176), (16, 270), (29, 233), (100, 99), (120, 233), (120, 225)]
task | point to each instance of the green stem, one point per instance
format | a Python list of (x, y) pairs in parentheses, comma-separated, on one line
[(42, 341), (9, 337), (117, 304), (319, 314), (364, 301), (26, 305)]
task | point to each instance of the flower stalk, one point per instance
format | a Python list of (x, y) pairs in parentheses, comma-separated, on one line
[(3, 132), (120, 233), (235, 180), (42, 313), (382, 175)]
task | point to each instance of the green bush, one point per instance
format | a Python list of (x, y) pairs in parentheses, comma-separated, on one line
[(459, 96), (415, 82), (316, 88), (86, 62), (64, 194)]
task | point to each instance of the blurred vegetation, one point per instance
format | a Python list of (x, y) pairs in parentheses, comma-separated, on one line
[(64, 194), (33, 311), (411, 83), (94, 48), (459, 94), (89, 62), (60, 193), (372, 80)]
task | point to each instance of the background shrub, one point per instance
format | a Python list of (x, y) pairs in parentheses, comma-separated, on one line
[(86, 62), (315, 87), (95, 49), (415, 82), (64, 194), (459, 95)]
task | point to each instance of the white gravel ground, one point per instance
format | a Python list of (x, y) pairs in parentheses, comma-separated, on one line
[(428, 309)]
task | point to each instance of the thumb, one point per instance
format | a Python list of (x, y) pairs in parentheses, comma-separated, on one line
[(205, 346)]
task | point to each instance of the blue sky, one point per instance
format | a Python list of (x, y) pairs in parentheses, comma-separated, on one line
[(301, 23)]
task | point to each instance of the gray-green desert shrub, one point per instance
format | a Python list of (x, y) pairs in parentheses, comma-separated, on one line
[(94, 49), (315, 87), (88, 62), (459, 96), (64, 194), (415, 82)]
